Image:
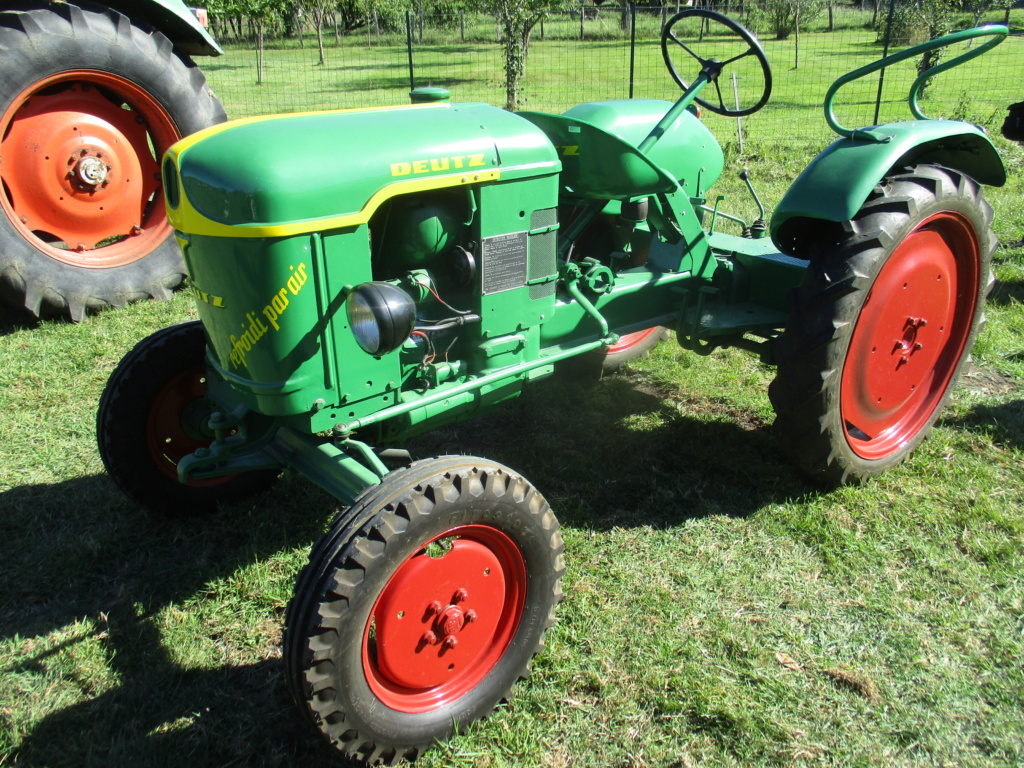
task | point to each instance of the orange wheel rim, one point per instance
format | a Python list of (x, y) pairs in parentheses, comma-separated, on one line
[(79, 162)]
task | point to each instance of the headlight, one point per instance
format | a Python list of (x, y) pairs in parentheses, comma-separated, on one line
[(381, 317)]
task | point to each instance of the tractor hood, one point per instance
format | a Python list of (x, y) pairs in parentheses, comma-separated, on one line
[(289, 174)]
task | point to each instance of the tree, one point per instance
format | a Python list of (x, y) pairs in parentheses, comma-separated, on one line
[(781, 17), (262, 13), (516, 20), (917, 21), (318, 9)]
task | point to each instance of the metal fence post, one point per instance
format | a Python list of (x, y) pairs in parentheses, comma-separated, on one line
[(632, 46), (885, 52), (408, 44)]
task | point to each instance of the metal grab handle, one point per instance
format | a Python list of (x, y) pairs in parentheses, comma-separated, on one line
[(998, 32)]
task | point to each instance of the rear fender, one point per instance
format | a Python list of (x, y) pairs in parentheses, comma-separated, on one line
[(839, 180), (173, 19)]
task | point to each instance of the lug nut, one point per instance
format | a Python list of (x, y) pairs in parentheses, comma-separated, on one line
[(470, 615), (434, 607), (460, 595), (429, 638), (450, 641)]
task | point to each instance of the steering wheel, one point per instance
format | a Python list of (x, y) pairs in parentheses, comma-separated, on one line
[(713, 67)]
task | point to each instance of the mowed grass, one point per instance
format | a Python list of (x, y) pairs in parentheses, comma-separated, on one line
[(719, 609)]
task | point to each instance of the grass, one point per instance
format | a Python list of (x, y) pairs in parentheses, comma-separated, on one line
[(719, 610)]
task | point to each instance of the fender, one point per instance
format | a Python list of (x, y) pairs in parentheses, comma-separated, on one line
[(173, 19), (837, 183)]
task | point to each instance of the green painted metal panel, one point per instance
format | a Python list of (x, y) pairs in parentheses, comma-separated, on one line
[(688, 152), (256, 172), (596, 165), (836, 184)]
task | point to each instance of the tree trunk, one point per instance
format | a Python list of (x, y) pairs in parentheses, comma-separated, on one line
[(259, 52), (318, 22)]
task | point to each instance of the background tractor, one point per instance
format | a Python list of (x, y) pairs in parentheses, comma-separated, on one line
[(91, 95), (364, 276)]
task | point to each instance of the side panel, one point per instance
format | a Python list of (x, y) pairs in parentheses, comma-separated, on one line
[(836, 184)]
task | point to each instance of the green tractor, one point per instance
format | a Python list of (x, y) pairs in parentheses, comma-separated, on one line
[(91, 95), (366, 275)]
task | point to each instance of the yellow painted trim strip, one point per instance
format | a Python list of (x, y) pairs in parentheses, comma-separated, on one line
[(180, 146), (186, 219)]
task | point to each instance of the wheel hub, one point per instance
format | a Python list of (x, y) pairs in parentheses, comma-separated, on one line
[(908, 344), (89, 169)]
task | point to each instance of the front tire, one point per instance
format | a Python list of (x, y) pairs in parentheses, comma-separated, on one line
[(89, 102), (881, 326), (153, 413), (422, 605)]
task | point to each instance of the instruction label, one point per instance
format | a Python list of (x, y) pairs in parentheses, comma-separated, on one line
[(503, 262)]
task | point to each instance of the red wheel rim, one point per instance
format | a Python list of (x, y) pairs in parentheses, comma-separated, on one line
[(177, 424), (910, 336), (443, 622), (79, 161), (628, 341)]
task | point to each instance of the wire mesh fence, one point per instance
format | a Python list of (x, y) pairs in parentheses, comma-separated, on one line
[(604, 52)]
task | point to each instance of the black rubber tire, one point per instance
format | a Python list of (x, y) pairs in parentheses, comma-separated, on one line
[(138, 390), (42, 43), (353, 563), (829, 306)]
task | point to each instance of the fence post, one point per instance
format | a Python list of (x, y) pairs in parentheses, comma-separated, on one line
[(885, 52), (408, 43), (632, 46), (583, 15), (462, 24)]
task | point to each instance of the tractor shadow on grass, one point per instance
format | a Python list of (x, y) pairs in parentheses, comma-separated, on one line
[(86, 585), (91, 578), (624, 453), (164, 714)]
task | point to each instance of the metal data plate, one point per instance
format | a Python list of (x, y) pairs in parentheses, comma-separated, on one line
[(503, 262)]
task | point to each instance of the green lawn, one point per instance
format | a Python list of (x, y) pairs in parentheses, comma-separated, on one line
[(719, 610)]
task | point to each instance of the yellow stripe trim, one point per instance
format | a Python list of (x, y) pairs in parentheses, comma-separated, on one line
[(186, 219), (180, 146)]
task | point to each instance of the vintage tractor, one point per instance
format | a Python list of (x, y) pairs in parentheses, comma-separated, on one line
[(363, 276), (91, 95)]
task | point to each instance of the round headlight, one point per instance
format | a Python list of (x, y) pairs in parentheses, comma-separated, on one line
[(381, 317)]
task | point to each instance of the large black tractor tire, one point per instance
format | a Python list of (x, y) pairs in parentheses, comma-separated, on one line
[(153, 412), (89, 101), (882, 325), (421, 606)]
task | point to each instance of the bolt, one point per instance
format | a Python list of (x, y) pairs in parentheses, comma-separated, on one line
[(429, 638), (434, 607), (137, 229), (450, 642), (24, 219), (470, 616), (460, 596)]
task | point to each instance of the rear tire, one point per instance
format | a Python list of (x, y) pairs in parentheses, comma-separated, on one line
[(89, 102), (393, 641), (882, 325)]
